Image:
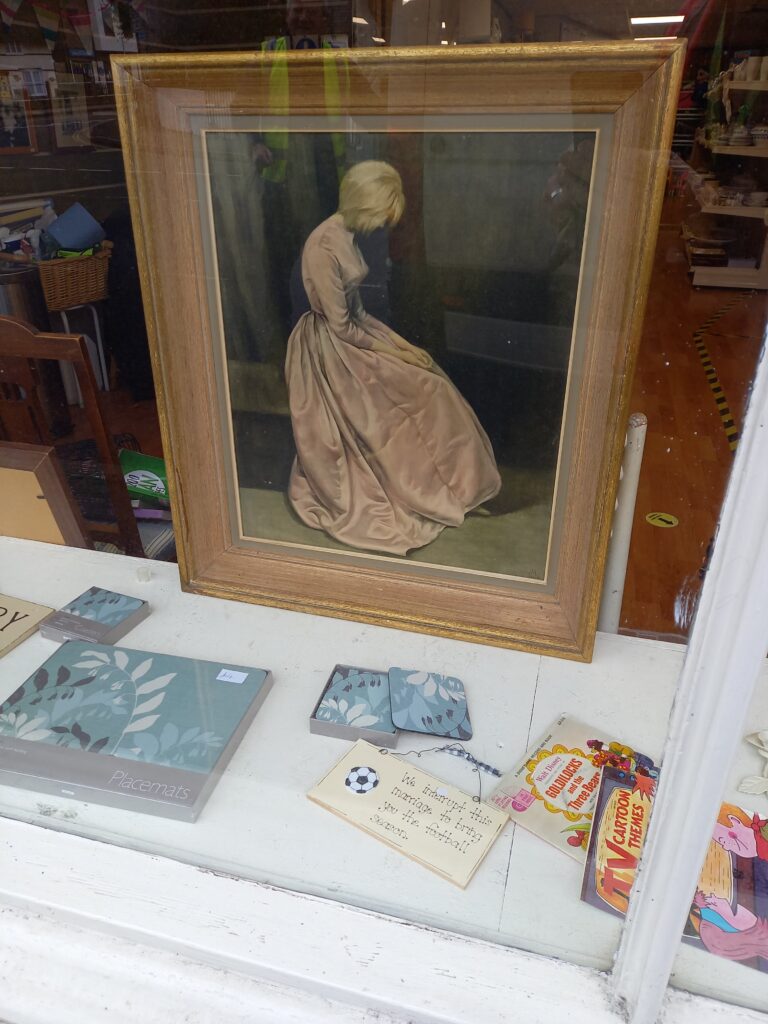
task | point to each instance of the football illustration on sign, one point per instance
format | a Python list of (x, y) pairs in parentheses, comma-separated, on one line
[(361, 780)]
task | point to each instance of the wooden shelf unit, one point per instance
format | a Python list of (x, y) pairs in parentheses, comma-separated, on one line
[(756, 86), (756, 212), (737, 277), (761, 152)]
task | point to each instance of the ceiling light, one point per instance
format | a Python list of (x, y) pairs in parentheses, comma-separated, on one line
[(662, 19), (378, 39), (442, 24), (652, 39), (443, 42), (359, 21)]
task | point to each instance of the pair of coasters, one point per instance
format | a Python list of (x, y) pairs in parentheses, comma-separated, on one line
[(359, 703)]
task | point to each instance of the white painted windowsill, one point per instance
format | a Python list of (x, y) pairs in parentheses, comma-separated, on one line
[(146, 916)]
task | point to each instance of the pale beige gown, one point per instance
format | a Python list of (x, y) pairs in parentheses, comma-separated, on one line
[(388, 454)]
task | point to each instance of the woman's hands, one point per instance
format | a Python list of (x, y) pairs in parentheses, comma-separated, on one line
[(414, 356), (410, 353), (404, 351)]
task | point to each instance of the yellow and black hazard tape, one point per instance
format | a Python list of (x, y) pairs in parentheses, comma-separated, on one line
[(726, 416)]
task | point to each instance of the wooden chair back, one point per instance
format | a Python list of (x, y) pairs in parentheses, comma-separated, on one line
[(22, 416)]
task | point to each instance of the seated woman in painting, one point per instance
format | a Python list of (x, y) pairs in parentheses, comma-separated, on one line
[(388, 452)]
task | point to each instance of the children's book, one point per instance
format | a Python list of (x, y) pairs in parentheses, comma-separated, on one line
[(18, 620), (621, 816), (729, 911), (148, 732), (552, 791)]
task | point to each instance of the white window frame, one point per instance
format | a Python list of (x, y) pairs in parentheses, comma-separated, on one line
[(91, 932), (116, 926), (727, 647)]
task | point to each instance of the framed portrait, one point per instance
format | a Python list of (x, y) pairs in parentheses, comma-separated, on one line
[(17, 132), (69, 107), (394, 299)]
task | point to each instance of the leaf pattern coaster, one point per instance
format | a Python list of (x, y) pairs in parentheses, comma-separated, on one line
[(355, 705), (430, 703)]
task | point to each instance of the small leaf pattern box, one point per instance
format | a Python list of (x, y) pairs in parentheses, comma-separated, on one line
[(429, 703), (103, 606), (355, 703), (98, 615)]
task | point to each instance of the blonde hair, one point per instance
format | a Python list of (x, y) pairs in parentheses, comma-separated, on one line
[(370, 196)]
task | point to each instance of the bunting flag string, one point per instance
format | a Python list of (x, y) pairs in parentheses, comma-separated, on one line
[(80, 20), (48, 17), (8, 11)]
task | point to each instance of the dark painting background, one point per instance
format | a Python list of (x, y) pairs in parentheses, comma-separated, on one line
[(482, 272)]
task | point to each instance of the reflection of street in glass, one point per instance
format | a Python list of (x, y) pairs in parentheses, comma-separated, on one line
[(14, 132)]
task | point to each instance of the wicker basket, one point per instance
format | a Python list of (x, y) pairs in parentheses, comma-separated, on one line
[(74, 281)]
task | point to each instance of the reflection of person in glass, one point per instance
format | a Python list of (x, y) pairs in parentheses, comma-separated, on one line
[(388, 452), (300, 171)]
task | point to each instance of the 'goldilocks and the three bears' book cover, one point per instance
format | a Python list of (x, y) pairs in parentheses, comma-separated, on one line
[(552, 791), (149, 732)]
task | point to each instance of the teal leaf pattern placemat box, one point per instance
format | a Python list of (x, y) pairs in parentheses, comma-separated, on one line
[(153, 708)]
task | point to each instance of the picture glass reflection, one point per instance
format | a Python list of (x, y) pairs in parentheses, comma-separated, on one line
[(397, 315)]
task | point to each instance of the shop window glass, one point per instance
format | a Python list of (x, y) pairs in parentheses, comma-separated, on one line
[(449, 288)]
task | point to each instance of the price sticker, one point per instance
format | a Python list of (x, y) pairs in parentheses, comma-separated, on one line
[(228, 675)]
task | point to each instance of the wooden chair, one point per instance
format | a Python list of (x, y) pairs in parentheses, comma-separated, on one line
[(22, 415)]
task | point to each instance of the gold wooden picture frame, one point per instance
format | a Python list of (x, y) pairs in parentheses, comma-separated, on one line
[(184, 120)]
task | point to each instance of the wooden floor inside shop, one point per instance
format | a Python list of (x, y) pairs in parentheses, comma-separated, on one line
[(699, 346), (697, 357), (123, 415)]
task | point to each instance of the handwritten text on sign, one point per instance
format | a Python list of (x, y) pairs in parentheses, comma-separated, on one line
[(433, 823)]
